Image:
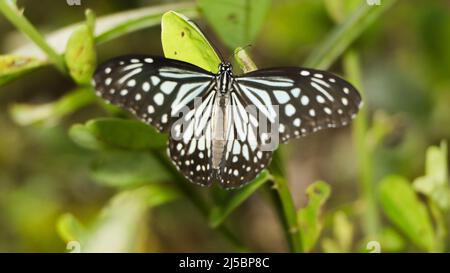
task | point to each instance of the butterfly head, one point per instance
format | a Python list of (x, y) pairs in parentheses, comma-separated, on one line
[(225, 67)]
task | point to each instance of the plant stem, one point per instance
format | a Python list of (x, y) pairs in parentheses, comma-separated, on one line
[(285, 202), (364, 151), (198, 202), (16, 17), (345, 33)]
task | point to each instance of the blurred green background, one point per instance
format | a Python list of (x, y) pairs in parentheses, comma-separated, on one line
[(386, 185)]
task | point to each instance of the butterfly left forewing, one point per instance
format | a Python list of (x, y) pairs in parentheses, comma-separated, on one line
[(154, 89)]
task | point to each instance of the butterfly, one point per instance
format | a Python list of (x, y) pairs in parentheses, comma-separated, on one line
[(213, 134)]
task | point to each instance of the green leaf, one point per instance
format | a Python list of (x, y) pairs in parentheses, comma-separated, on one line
[(222, 211), (127, 168), (391, 240), (405, 210), (82, 136), (182, 40), (13, 66), (243, 60), (117, 133), (343, 231), (435, 183), (70, 229), (122, 224), (341, 241), (238, 22), (80, 54), (51, 113), (308, 217)]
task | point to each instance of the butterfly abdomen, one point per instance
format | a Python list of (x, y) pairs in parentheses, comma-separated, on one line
[(219, 125)]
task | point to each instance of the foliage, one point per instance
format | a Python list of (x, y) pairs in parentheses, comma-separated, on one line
[(127, 180)]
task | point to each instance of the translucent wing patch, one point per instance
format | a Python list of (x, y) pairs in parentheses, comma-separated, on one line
[(154, 89), (308, 100)]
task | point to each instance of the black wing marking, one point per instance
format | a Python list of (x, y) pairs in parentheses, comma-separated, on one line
[(308, 100), (154, 89)]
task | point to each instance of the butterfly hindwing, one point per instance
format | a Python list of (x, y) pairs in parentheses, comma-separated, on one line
[(244, 155), (308, 100), (154, 89)]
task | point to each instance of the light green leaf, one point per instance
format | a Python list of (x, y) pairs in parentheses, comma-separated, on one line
[(243, 60), (222, 211), (50, 113), (82, 136), (308, 217), (13, 66), (182, 40), (391, 240), (405, 210), (70, 229), (342, 235), (122, 224), (343, 231), (435, 183), (127, 168), (80, 54), (238, 22), (117, 133)]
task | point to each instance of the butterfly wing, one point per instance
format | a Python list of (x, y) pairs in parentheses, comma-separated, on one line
[(308, 100), (154, 89), (162, 92), (190, 142), (244, 155)]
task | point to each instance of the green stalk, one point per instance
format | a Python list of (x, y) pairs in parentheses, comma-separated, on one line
[(289, 211), (364, 150), (15, 16), (344, 34)]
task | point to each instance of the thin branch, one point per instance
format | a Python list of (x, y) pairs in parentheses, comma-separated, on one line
[(15, 16)]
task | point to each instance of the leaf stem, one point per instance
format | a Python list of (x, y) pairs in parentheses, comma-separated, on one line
[(15, 16), (364, 151), (286, 202), (346, 33)]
